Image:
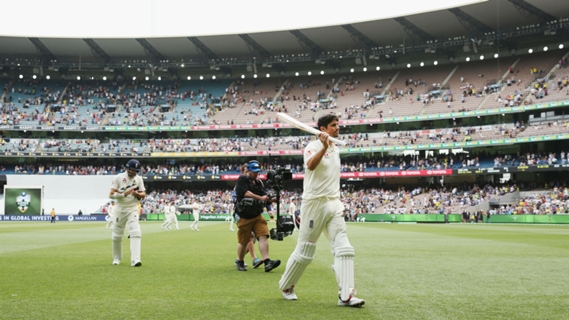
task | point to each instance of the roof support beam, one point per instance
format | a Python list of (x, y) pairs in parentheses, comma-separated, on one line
[(97, 50), (43, 50), (412, 30), (473, 25), (307, 43), (255, 47), (525, 7), (151, 52), (202, 48), (359, 37)]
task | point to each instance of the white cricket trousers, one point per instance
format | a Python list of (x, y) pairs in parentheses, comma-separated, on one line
[(196, 220), (126, 217), (321, 215)]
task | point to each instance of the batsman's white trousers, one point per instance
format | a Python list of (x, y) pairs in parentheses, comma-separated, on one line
[(321, 215)]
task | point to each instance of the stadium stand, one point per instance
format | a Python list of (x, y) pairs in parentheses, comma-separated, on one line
[(521, 77), (55, 109), (249, 101)]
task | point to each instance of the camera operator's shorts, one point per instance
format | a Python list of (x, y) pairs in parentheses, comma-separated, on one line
[(257, 225)]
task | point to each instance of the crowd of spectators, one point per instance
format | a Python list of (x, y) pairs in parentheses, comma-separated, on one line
[(93, 93), (356, 140), (134, 98), (429, 199), (351, 164), (554, 201)]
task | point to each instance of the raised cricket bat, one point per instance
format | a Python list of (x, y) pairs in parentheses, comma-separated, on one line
[(304, 127)]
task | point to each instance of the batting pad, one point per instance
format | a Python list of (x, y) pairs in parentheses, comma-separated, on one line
[(117, 247), (118, 232), (344, 265), (300, 258), (135, 244)]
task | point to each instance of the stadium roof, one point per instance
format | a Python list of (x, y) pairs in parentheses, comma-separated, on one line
[(475, 22)]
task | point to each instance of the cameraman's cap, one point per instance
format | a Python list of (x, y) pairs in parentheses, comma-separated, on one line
[(254, 166)]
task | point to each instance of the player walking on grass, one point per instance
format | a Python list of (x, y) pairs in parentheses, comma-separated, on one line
[(196, 212), (170, 216), (112, 217), (127, 189), (322, 212), (173, 214)]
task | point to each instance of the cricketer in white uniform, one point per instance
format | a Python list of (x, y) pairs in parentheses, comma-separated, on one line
[(167, 216), (231, 209), (322, 212), (291, 208), (127, 189), (173, 217), (196, 212), (111, 214)]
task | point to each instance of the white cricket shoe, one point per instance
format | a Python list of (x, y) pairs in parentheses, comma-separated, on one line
[(136, 263), (116, 262), (352, 302), (289, 294)]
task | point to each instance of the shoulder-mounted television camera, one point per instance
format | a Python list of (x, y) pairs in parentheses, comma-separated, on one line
[(285, 224), (285, 227), (275, 178)]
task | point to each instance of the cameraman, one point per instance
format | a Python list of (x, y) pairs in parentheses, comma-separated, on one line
[(251, 198)]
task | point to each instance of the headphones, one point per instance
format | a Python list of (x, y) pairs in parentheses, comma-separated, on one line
[(254, 165)]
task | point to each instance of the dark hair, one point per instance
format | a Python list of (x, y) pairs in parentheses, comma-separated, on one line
[(325, 120)]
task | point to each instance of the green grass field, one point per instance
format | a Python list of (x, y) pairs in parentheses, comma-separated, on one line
[(403, 271)]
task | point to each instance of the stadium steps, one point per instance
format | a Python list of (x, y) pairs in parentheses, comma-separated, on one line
[(555, 68), (105, 120), (484, 100), (549, 75), (390, 83), (275, 102), (50, 113), (334, 86), (5, 92), (279, 92), (224, 97), (449, 76), (119, 106), (443, 84), (505, 75), (502, 88), (509, 198), (240, 112), (64, 93)]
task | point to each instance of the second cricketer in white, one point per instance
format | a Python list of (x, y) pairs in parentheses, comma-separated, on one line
[(173, 214), (167, 216), (127, 189), (322, 213), (111, 214), (196, 211)]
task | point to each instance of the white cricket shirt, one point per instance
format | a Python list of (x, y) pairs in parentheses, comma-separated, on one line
[(324, 180), (196, 208), (122, 183)]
